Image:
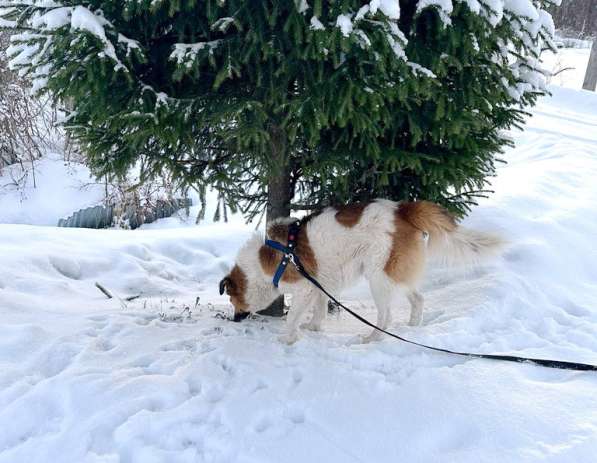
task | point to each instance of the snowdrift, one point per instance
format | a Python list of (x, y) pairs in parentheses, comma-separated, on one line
[(164, 378)]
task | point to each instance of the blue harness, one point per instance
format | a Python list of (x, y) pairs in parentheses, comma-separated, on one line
[(289, 254)]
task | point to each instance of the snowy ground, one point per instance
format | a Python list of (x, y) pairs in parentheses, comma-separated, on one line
[(52, 190), (88, 379), (568, 65)]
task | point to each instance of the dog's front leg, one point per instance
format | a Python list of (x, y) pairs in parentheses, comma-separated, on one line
[(300, 303), (320, 308), (416, 308)]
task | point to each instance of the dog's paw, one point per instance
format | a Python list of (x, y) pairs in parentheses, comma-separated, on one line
[(371, 337), (311, 326), (415, 321), (289, 338), (354, 340)]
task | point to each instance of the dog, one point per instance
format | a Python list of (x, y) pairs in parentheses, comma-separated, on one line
[(386, 242)]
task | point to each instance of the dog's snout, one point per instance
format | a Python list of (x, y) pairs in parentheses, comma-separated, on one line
[(240, 316)]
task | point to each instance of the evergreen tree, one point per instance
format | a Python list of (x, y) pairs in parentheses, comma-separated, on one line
[(314, 102)]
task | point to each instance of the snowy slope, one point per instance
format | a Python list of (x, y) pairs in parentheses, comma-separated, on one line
[(87, 379), (568, 65), (54, 189)]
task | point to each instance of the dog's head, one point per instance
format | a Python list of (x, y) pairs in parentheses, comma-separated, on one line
[(246, 296), (235, 285)]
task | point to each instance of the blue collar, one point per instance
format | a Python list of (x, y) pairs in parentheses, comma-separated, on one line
[(289, 251)]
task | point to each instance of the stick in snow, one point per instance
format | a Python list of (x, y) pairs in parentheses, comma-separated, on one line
[(103, 290)]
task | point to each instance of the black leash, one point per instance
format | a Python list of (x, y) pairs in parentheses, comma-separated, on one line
[(289, 255)]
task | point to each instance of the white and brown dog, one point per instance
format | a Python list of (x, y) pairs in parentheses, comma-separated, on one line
[(386, 242)]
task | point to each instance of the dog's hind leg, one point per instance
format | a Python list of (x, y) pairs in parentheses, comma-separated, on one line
[(383, 290), (416, 307)]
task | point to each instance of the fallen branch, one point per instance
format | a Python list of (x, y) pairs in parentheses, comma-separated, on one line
[(562, 70), (104, 290)]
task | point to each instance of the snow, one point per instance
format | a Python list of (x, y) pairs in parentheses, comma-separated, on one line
[(185, 52), (496, 10), (546, 22), (90, 379), (52, 190), (54, 19), (418, 69), (569, 65), (130, 43), (391, 8), (473, 5), (302, 6), (345, 24), (522, 20), (6, 23), (79, 18), (31, 46), (444, 8), (222, 24), (316, 24), (84, 19), (522, 8)]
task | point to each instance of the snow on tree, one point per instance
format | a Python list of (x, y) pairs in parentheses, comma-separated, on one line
[(278, 101)]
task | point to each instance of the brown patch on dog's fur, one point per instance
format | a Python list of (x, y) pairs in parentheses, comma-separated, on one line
[(236, 286), (350, 214), (406, 261), (407, 257), (278, 232), (270, 258), (427, 216)]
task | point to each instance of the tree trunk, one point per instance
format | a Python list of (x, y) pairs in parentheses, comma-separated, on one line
[(591, 75), (279, 195), (279, 190)]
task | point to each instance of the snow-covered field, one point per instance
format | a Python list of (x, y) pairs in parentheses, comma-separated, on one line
[(54, 189), (164, 378), (568, 66)]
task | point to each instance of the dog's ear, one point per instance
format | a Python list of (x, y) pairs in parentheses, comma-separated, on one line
[(225, 281)]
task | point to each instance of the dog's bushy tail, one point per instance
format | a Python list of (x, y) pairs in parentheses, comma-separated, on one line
[(449, 243)]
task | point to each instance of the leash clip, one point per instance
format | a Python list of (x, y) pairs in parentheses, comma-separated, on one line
[(290, 256)]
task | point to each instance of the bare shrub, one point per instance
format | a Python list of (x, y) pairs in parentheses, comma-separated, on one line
[(142, 199), (28, 124)]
